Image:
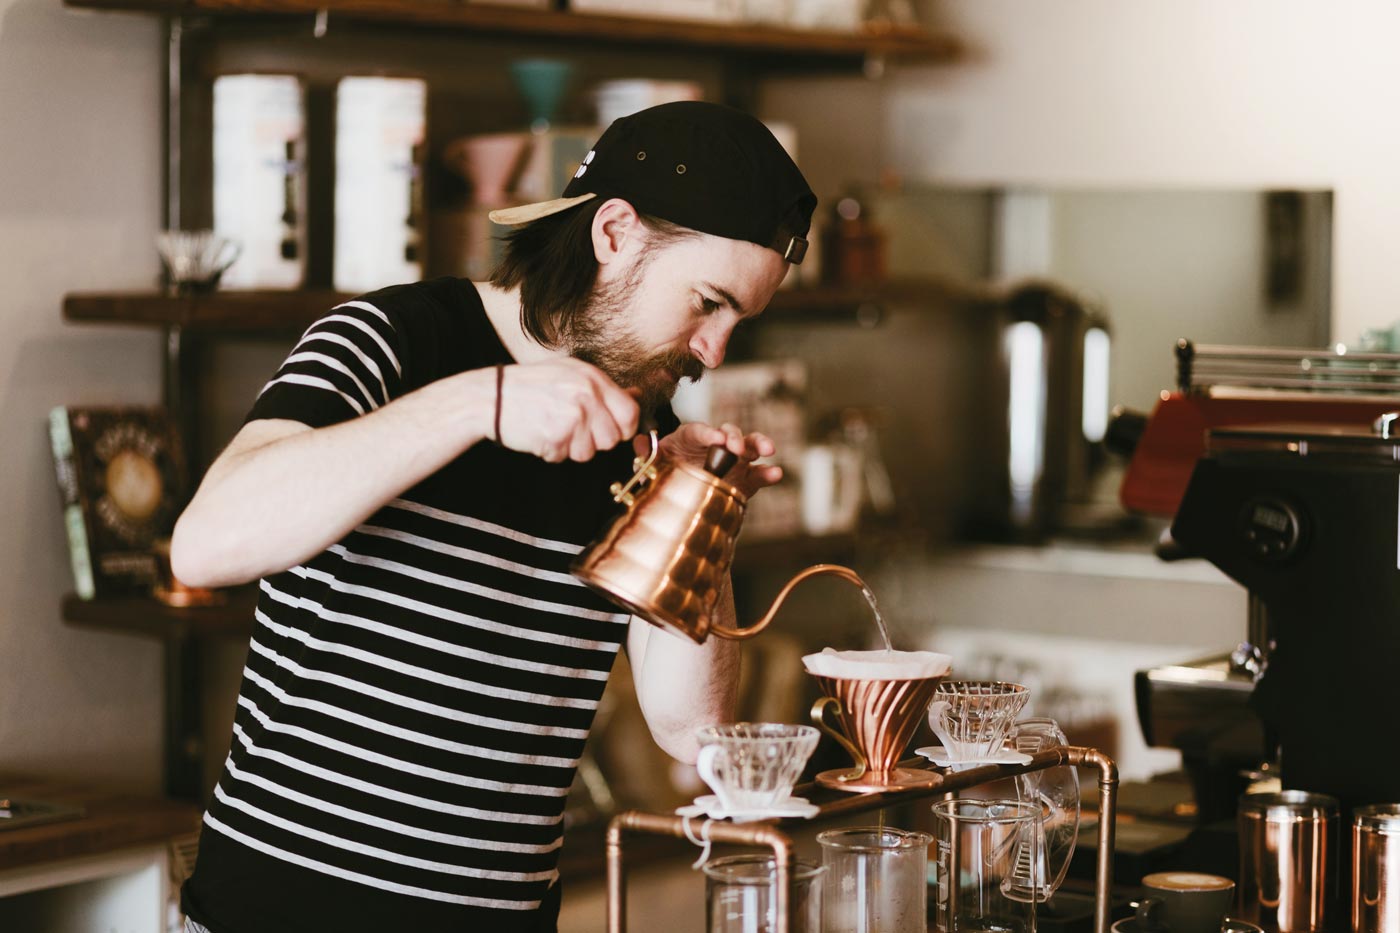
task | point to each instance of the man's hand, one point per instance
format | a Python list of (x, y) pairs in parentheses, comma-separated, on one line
[(564, 409), (691, 442)]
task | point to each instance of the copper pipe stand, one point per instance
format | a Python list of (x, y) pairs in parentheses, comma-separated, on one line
[(832, 803)]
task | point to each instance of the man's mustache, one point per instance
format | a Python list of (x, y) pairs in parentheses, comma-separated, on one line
[(686, 364)]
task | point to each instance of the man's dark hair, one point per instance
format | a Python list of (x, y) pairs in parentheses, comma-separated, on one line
[(552, 261)]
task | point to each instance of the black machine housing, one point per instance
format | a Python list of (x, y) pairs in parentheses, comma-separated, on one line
[(1308, 520)]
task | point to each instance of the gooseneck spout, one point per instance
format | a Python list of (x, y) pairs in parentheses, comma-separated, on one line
[(846, 573)]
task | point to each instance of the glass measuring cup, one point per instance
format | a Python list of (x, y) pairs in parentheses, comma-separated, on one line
[(876, 880), (976, 852), (739, 895)]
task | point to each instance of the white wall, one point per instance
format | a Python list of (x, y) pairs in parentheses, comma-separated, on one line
[(1195, 93), (79, 201), (1166, 265)]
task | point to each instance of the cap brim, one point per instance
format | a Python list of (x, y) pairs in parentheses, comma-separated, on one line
[(525, 213)]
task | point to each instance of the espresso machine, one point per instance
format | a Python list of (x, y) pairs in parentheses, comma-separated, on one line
[(1282, 468)]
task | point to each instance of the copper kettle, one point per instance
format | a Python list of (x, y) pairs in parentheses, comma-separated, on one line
[(666, 557)]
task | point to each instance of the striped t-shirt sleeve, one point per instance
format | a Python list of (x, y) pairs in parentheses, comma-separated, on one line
[(347, 364)]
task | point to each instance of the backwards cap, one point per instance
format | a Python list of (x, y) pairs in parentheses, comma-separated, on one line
[(703, 166)]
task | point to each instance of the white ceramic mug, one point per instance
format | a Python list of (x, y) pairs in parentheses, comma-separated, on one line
[(831, 488)]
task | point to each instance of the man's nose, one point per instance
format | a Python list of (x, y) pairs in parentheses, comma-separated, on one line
[(709, 342)]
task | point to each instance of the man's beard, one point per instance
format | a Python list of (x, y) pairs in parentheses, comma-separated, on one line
[(599, 335)]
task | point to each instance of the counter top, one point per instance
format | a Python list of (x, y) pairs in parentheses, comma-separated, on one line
[(1134, 562), (112, 820)]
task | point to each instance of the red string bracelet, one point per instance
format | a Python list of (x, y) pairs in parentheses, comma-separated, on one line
[(500, 378)]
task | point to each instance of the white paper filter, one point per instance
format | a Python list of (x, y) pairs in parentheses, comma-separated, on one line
[(878, 664)]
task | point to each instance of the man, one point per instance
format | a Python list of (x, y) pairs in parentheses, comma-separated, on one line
[(410, 489)]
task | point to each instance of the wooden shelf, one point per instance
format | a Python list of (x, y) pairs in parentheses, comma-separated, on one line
[(227, 312), (857, 301), (281, 313), (143, 615), (112, 821), (813, 46)]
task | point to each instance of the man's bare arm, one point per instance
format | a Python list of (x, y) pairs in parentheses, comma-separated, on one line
[(282, 492), (682, 686)]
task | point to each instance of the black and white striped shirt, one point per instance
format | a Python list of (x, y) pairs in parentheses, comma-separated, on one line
[(417, 696)]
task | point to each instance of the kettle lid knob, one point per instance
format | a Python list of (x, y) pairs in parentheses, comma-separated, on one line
[(720, 460)]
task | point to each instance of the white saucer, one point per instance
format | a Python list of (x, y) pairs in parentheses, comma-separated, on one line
[(709, 806), (939, 756), (1230, 925)]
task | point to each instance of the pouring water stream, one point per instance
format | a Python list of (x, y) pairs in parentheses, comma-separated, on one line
[(879, 619)]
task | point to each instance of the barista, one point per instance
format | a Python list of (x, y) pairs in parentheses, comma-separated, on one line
[(410, 489)]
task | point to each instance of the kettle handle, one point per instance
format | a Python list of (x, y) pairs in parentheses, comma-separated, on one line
[(645, 470), (818, 716)]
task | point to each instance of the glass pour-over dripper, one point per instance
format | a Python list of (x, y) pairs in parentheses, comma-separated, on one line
[(972, 717)]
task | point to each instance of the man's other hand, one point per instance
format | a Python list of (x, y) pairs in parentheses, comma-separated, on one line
[(691, 442)]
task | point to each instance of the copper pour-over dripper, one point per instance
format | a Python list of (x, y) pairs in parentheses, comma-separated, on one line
[(666, 557), (877, 719)]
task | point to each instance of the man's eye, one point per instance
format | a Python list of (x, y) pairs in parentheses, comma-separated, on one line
[(709, 306)]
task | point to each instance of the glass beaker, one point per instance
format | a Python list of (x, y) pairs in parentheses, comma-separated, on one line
[(976, 855), (876, 880), (739, 895)]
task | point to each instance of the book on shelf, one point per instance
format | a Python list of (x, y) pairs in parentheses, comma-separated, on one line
[(121, 478)]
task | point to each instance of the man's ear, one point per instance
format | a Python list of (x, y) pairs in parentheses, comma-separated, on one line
[(616, 230)]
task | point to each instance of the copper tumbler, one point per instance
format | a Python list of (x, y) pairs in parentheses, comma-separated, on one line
[(1375, 869), (1288, 844)]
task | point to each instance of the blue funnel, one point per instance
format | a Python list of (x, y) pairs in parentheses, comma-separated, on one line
[(542, 82)]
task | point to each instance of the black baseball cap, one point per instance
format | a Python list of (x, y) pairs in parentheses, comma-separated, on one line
[(703, 166)]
